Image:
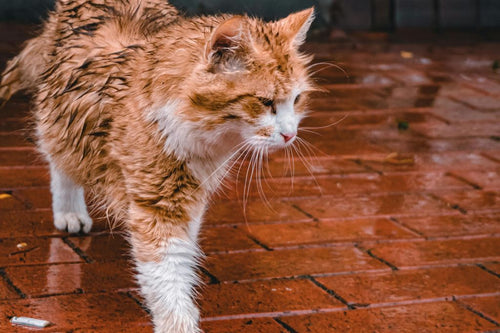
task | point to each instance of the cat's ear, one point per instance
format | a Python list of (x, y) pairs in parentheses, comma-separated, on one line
[(227, 35), (296, 25)]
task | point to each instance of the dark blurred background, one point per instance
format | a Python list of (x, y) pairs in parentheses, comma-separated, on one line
[(381, 15)]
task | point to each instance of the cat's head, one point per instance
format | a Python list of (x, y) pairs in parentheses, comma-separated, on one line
[(253, 84)]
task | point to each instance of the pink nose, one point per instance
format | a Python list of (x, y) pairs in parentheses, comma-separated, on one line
[(288, 136)]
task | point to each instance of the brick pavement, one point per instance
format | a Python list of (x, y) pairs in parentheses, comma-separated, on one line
[(393, 227)]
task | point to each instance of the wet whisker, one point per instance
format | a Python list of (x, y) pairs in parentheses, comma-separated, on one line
[(336, 122)]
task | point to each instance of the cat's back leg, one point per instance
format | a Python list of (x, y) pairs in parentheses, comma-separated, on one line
[(68, 203)]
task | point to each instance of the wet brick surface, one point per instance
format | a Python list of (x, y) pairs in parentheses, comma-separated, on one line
[(392, 223)]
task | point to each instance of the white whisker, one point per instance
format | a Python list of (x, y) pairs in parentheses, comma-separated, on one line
[(308, 167), (322, 127), (239, 148)]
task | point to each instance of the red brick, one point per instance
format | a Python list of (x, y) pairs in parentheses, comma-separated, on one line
[(457, 225), (309, 235), (286, 263), (20, 158), (264, 297), (280, 167), (285, 234), (12, 124), (474, 99), (469, 129), (225, 239), (428, 317), (27, 198), (36, 251), (357, 183), (486, 178), (366, 119), (6, 291), (75, 311), (347, 148), (234, 212), (11, 141), (424, 253), (36, 281), (489, 306), (130, 328), (10, 201), (465, 145), (26, 223), (409, 75), (397, 286), (250, 325), (472, 200), (479, 82), (103, 248), (493, 267), (16, 108), (456, 112), (411, 204), (445, 161), (24, 177)]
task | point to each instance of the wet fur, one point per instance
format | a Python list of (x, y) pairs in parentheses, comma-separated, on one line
[(144, 107)]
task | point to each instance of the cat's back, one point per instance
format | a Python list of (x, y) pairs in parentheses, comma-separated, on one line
[(91, 48), (99, 26)]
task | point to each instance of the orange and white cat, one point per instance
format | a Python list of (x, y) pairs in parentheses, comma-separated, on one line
[(146, 108)]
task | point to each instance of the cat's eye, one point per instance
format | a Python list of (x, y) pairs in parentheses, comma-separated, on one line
[(268, 103), (297, 99)]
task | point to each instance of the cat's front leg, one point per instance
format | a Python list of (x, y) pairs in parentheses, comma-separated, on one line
[(166, 257), (68, 203)]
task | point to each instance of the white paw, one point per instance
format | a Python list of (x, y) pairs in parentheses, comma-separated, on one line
[(73, 222)]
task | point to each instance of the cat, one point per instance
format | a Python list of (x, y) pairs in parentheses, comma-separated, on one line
[(146, 108)]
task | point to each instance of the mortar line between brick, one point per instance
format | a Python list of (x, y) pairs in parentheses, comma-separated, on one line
[(16, 148), (488, 270), (259, 243), (285, 325), (330, 292), (406, 227), (463, 179), (8, 281), (418, 301), (476, 89), (367, 167), (364, 217), (23, 167), (213, 278), (449, 204), (382, 193), (275, 314), (454, 99), (138, 301), (488, 156), (315, 219), (478, 313), (77, 250), (369, 252)]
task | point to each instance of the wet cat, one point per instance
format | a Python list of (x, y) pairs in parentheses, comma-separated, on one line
[(146, 108)]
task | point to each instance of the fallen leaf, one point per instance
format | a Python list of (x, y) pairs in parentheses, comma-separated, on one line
[(406, 55), (496, 65), (403, 125), (21, 246), (396, 158), (5, 196)]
